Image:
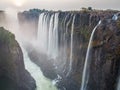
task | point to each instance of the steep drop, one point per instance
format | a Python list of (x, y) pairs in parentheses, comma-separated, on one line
[(85, 76)]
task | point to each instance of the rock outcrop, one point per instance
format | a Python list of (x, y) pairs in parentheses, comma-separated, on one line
[(13, 75)]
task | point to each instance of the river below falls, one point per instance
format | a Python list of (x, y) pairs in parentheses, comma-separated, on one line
[(42, 82)]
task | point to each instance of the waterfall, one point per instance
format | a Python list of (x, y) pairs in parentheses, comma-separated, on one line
[(115, 17), (55, 36), (48, 33), (85, 76), (65, 39), (66, 29), (48, 36), (42, 32), (71, 47)]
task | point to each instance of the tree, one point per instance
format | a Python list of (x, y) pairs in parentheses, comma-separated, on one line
[(90, 8)]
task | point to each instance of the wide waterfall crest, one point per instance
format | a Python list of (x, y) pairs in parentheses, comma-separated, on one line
[(85, 76), (48, 37)]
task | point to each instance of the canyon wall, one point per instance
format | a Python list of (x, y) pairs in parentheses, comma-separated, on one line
[(13, 75), (104, 65)]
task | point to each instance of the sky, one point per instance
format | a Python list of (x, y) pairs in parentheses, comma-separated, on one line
[(59, 4)]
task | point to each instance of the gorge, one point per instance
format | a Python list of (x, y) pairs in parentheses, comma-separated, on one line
[(60, 43)]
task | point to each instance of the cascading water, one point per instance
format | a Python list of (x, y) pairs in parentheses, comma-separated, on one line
[(42, 32), (85, 76), (55, 36), (71, 47), (48, 37), (48, 33), (115, 17), (65, 39)]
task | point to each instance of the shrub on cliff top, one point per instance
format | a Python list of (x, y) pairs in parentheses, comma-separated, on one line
[(90, 8), (85, 10)]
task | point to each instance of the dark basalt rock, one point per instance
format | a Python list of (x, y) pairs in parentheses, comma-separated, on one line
[(13, 75)]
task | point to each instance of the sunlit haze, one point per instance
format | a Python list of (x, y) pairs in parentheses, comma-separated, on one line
[(59, 4), (18, 3)]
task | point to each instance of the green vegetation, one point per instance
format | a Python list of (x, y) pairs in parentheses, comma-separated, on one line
[(85, 10), (6, 37), (90, 8)]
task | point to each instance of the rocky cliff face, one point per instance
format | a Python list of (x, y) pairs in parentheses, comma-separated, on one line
[(84, 24), (104, 68), (13, 75), (105, 63)]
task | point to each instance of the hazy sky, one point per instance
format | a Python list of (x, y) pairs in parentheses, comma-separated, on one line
[(60, 4)]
